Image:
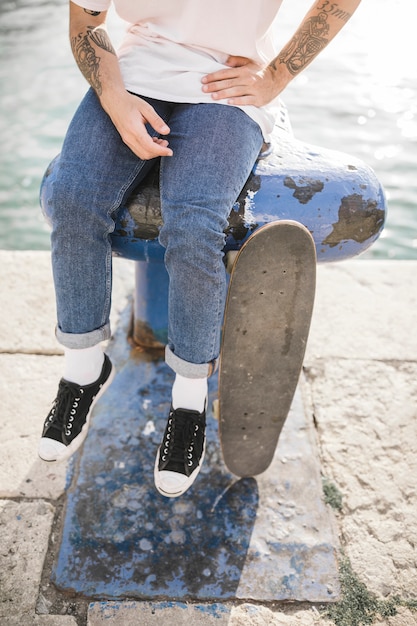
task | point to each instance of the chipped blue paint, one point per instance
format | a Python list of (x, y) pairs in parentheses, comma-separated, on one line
[(336, 196), (109, 610), (120, 536), (121, 539), (215, 610), (70, 473)]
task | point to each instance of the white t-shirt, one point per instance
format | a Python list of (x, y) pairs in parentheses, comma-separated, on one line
[(171, 44)]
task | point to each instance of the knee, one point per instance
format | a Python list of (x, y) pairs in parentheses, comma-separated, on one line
[(193, 248), (70, 202), (59, 194), (194, 233)]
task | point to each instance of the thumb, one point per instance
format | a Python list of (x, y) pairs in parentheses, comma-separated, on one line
[(235, 61), (152, 117)]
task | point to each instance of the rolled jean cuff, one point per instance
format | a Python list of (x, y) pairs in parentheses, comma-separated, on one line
[(187, 369), (83, 340)]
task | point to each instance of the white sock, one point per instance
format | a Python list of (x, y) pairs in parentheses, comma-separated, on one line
[(189, 393), (83, 366)]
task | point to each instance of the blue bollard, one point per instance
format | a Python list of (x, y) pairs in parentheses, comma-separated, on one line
[(150, 306), (336, 196)]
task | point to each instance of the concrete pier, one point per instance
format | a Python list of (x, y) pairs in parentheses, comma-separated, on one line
[(352, 430)]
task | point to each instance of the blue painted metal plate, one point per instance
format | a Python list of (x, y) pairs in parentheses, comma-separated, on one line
[(269, 538)]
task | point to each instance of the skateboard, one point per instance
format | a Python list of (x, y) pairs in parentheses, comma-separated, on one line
[(266, 324)]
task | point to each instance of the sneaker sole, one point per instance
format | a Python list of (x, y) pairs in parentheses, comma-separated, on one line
[(79, 439)]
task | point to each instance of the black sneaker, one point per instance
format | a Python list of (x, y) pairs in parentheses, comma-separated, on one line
[(181, 453), (66, 426)]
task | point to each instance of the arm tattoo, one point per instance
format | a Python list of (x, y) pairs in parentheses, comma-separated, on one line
[(86, 57), (306, 43), (309, 39), (331, 9), (95, 13), (100, 37)]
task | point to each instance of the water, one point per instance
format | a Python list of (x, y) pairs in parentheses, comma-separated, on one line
[(359, 97)]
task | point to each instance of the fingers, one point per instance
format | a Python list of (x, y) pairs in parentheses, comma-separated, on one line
[(159, 141), (132, 117), (241, 85), (232, 93), (147, 147), (220, 83), (227, 84), (140, 142), (137, 138), (242, 72), (212, 81)]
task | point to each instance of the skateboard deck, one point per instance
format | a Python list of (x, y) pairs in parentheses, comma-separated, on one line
[(267, 320)]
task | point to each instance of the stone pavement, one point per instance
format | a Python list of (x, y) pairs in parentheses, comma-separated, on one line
[(359, 390)]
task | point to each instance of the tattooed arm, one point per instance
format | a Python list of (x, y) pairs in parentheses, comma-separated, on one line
[(248, 83), (97, 60)]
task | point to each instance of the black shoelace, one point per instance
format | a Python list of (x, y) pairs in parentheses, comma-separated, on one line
[(178, 444), (64, 409)]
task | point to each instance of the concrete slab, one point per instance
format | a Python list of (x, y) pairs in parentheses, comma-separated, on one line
[(28, 381), (267, 539), (364, 407), (40, 620), (28, 316), (367, 424), (365, 288), (404, 617), (28, 386), (28, 303), (181, 614), (358, 308), (24, 534)]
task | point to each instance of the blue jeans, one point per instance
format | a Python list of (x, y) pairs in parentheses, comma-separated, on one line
[(215, 147)]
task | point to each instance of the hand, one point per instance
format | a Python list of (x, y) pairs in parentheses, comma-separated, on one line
[(130, 114), (246, 82)]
